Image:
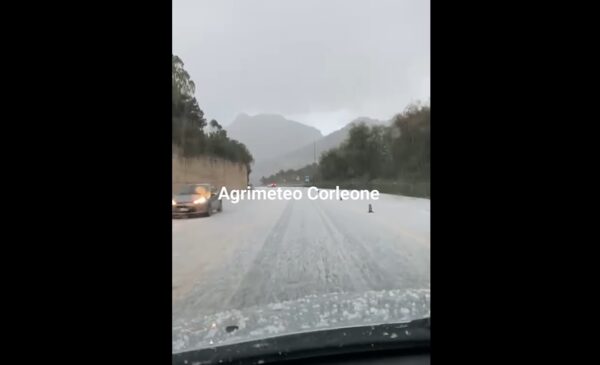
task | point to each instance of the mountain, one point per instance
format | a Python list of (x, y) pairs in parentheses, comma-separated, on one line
[(268, 135), (306, 154)]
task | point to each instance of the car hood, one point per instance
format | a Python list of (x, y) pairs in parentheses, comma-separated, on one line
[(311, 313)]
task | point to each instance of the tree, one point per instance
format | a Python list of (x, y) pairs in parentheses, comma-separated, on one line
[(181, 81), (333, 165), (188, 124), (397, 151), (411, 149), (214, 124)]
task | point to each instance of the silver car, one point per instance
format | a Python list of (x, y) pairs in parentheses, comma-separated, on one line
[(196, 199)]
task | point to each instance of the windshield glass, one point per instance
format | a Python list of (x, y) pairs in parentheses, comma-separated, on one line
[(195, 189), (322, 107)]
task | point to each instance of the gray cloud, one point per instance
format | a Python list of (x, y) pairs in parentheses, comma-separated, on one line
[(318, 62)]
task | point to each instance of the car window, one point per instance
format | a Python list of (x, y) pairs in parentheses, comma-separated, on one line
[(202, 190), (194, 189)]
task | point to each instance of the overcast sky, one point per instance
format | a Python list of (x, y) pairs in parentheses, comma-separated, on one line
[(319, 62)]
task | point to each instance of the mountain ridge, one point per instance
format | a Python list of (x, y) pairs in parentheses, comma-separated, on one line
[(268, 135), (306, 154)]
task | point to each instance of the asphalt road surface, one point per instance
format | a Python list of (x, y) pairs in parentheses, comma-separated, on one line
[(257, 253)]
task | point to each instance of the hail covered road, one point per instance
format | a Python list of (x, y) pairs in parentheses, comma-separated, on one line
[(257, 253)]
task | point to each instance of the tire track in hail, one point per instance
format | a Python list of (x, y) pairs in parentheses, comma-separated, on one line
[(400, 263), (355, 258), (256, 286)]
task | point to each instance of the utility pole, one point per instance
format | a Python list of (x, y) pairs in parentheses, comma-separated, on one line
[(315, 154)]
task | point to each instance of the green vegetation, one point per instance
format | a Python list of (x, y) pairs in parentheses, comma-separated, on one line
[(188, 123), (292, 177), (392, 159)]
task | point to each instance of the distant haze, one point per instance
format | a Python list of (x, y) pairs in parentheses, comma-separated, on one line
[(279, 143), (269, 135), (319, 62)]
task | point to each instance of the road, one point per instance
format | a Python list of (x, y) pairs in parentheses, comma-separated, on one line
[(256, 253), (260, 252)]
